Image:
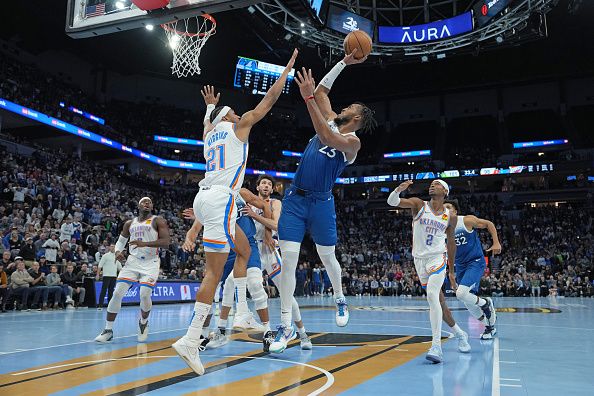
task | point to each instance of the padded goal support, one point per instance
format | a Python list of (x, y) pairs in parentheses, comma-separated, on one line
[(148, 5)]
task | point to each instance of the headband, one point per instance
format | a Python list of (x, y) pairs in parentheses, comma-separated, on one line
[(444, 185), (221, 114), (143, 198)]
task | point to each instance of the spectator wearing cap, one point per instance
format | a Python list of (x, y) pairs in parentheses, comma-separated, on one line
[(66, 230), (44, 265), (3, 287), (28, 252), (51, 248), (19, 283)]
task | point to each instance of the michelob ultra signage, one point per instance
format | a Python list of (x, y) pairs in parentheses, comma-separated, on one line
[(433, 31)]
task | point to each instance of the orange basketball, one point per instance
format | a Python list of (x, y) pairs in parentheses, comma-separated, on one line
[(360, 40)]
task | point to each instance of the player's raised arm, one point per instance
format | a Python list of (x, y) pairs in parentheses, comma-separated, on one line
[(253, 116), (348, 144), (211, 100), (475, 222), (324, 87), (408, 203)]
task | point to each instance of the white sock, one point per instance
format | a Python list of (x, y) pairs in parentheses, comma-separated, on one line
[(474, 310), (222, 324), (435, 312), (457, 330), (301, 331), (240, 295), (332, 269), (290, 254), (143, 320), (205, 331), (201, 311), (108, 325), (266, 327)]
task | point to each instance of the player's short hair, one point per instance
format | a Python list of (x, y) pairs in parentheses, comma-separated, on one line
[(368, 121), (454, 203), (265, 177), (215, 112)]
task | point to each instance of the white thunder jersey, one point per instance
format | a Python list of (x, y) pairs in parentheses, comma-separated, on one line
[(143, 231), (429, 232), (259, 226), (225, 156)]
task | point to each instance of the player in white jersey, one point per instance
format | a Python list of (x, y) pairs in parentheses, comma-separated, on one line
[(225, 138), (270, 252), (147, 233), (432, 224)]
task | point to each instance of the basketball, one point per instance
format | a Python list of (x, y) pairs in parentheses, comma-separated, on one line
[(361, 41)]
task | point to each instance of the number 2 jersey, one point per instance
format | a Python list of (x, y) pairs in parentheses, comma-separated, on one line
[(468, 244), (226, 156), (429, 232), (320, 165)]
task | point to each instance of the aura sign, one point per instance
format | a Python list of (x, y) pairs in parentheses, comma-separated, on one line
[(433, 31)]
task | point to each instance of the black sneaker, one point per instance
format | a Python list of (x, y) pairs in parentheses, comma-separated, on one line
[(487, 311), (489, 333), (203, 342), (267, 339)]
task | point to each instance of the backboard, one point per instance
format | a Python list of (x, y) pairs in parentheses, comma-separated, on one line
[(88, 18)]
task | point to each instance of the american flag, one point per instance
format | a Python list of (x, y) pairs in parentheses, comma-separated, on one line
[(95, 10)]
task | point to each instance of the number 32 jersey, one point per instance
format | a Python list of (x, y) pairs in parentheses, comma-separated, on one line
[(320, 165), (429, 232), (225, 156)]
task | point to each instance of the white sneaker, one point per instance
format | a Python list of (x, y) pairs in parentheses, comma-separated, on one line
[(189, 352), (463, 345), (342, 312), (435, 354), (305, 343), (246, 322), (142, 331), (283, 336), (217, 340), (105, 336), (489, 333)]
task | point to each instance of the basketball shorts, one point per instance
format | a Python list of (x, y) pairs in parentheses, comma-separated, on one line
[(311, 212), (253, 261), (144, 272), (470, 273), (429, 266), (271, 260), (215, 208)]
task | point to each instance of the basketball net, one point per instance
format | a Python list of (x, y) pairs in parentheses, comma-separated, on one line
[(186, 37)]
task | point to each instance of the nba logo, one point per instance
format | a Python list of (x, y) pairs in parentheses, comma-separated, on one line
[(185, 292)]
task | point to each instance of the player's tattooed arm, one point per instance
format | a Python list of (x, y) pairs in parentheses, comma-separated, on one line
[(475, 222)]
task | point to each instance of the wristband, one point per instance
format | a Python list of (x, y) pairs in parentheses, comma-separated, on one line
[(209, 109), (308, 98)]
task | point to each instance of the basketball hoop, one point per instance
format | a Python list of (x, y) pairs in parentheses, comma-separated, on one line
[(186, 37)]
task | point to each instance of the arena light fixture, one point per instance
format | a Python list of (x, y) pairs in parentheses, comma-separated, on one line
[(149, 27), (120, 5)]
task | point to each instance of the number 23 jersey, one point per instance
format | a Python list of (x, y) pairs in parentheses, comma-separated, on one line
[(429, 232), (321, 165)]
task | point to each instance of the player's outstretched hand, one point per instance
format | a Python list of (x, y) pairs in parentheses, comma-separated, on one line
[(208, 93), (403, 186), (189, 245), (496, 249), (306, 83), (189, 214), (292, 60), (453, 283), (351, 60)]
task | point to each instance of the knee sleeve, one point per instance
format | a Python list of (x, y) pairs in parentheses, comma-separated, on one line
[(115, 304), (325, 250), (256, 288), (145, 298), (289, 246), (228, 291), (463, 294)]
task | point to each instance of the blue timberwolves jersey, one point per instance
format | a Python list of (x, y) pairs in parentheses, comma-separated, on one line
[(246, 223), (468, 244), (320, 165)]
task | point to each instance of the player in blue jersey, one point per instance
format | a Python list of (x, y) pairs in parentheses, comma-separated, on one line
[(470, 266), (309, 204)]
